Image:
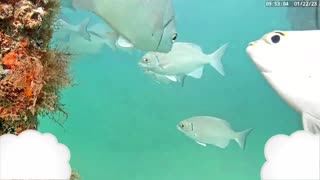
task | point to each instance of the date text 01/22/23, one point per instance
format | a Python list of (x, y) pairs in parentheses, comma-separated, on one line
[(292, 4)]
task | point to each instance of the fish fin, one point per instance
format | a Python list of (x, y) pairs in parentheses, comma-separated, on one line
[(181, 80), (83, 29), (215, 59), (163, 65), (197, 73), (109, 38), (122, 42), (60, 23), (202, 144), (221, 143), (310, 123), (172, 78), (241, 137), (63, 16), (83, 4)]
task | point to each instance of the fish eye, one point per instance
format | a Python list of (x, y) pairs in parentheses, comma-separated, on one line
[(182, 125), (146, 60), (174, 37), (275, 39)]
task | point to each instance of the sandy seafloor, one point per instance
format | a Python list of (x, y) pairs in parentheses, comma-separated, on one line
[(122, 125)]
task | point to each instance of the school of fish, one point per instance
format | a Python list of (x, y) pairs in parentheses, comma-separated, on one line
[(287, 59)]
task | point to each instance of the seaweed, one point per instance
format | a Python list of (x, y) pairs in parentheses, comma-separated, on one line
[(75, 175)]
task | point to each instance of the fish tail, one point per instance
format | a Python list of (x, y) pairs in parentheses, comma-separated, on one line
[(83, 29), (215, 59), (241, 137)]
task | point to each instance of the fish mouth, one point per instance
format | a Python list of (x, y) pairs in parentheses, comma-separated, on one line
[(256, 60), (143, 65), (178, 127)]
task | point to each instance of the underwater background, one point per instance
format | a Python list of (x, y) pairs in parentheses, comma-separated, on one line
[(122, 125)]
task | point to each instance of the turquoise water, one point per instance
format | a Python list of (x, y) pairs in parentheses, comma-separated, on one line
[(122, 125)]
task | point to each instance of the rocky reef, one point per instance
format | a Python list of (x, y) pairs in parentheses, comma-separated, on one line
[(31, 73)]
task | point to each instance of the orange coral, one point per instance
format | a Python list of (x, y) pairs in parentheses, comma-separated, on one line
[(10, 60), (24, 43), (21, 87)]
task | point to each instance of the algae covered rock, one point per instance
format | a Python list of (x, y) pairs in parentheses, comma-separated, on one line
[(31, 73)]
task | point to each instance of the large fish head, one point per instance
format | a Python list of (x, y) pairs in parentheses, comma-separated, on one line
[(149, 61), (185, 127), (271, 52), (169, 33), (290, 63), (286, 52)]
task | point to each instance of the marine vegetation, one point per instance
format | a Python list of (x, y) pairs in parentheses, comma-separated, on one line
[(31, 73), (74, 175)]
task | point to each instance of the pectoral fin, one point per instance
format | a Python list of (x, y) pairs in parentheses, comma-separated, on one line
[(122, 42), (197, 73), (172, 78), (310, 123), (181, 80), (163, 65), (202, 144)]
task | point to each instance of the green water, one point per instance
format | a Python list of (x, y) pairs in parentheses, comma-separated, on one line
[(122, 125)]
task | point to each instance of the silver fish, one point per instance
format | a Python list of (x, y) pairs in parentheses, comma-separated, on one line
[(77, 45), (185, 59), (144, 24), (211, 130), (289, 60), (81, 29), (104, 33), (101, 31), (162, 79)]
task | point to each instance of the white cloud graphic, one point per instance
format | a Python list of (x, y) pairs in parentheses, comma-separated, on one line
[(292, 157), (33, 155)]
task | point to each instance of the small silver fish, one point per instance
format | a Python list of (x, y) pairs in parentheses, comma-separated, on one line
[(162, 79), (77, 45), (81, 29), (211, 130), (104, 33), (101, 30), (185, 59)]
